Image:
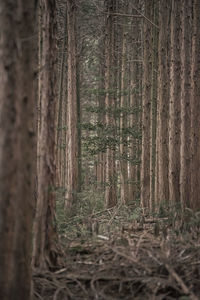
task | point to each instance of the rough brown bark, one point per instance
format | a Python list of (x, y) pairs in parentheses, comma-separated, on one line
[(185, 103), (123, 125), (133, 148), (101, 120), (72, 130), (195, 109), (45, 246), (174, 105), (154, 79), (17, 150), (61, 113), (146, 108), (162, 160), (110, 192)]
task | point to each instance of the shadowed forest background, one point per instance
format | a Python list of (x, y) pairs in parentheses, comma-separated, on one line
[(99, 149)]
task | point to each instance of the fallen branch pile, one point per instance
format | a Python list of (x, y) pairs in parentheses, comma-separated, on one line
[(127, 265)]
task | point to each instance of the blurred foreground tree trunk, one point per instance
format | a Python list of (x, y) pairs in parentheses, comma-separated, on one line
[(17, 150), (45, 240)]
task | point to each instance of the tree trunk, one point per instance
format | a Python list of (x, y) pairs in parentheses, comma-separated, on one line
[(45, 248), (146, 108), (72, 113), (162, 151), (154, 80), (185, 103), (101, 120), (17, 147), (195, 109), (110, 192), (123, 125), (61, 121), (174, 105)]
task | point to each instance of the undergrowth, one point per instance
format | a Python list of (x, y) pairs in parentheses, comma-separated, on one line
[(89, 218)]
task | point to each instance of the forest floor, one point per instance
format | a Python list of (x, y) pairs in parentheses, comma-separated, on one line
[(145, 258)]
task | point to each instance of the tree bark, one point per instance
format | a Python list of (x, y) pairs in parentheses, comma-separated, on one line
[(61, 112), (162, 150), (123, 125), (72, 113), (185, 103), (195, 109), (146, 108), (153, 122), (45, 241), (110, 192), (17, 147), (174, 105), (101, 120)]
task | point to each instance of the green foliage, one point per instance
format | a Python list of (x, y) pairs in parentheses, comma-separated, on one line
[(103, 137), (116, 111), (77, 224), (136, 214), (64, 128)]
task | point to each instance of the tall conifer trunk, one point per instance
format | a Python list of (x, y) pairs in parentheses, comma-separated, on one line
[(123, 125), (72, 111), (45, 244), (174, 105), (110, 192), (162, 150), (146, 107), (185, 103), (195, 109), (17, 147)]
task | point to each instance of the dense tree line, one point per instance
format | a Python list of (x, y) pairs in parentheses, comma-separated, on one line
[(100, 95)]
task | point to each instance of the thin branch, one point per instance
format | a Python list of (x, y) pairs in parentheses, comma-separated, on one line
[(126, 15), (145, 17), (123, 15)]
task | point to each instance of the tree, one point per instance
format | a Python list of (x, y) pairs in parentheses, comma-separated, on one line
[(146, 107), (72, 130), (101, 119), (185, 103), (61, 104), (45, 240), (123, 125), (195, 108), (174, 104), (153, 121), (162, 146), (110, 85), (17, 150)]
